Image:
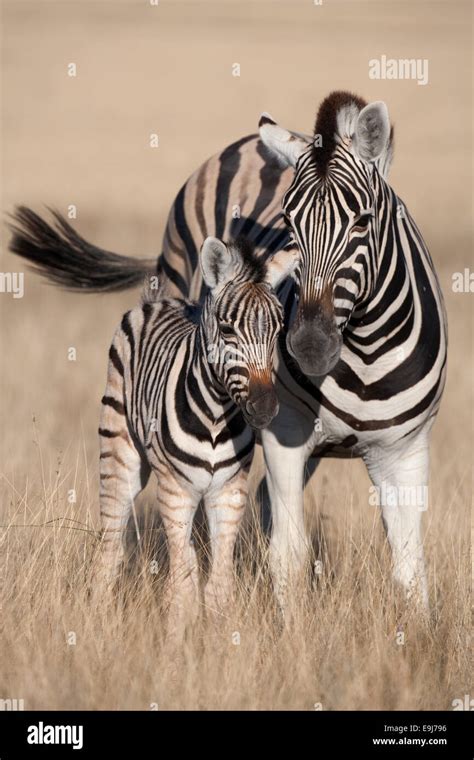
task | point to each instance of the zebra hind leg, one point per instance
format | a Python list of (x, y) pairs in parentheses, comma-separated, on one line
[(123, 474)]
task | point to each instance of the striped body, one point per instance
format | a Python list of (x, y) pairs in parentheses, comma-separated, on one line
[(236, 192), (388, 358), (176, 412), (388, 380)]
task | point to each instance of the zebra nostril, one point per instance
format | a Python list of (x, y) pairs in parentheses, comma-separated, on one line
[(264, 405), (262, 410), (250, 407)]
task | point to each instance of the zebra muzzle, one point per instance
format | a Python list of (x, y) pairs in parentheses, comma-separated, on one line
[(315, 345), (261, 407)]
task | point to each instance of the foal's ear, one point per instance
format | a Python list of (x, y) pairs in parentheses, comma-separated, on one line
[(281, 265), (372, 131), (216, 262), (286, 146)]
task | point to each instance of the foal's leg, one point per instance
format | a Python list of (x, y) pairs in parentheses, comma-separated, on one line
[(224, 510), (123, 474), (177, 507)]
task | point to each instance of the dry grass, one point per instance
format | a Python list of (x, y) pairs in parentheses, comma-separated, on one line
[(85, 142), (338, 646)]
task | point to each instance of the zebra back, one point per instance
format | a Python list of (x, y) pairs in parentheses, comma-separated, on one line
[(236, 193)]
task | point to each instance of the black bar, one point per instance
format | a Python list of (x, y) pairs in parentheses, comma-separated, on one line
[(151, 734)]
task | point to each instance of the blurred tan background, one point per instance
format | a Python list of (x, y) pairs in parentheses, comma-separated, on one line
[(167, 69)]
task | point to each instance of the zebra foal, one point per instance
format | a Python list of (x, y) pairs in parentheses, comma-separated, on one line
[(186, 386)]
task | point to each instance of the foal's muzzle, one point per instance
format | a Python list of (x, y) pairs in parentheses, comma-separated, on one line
[(261, 406)]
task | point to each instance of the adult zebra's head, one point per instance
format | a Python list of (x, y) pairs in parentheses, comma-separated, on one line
[(331, 209), (241, 320)]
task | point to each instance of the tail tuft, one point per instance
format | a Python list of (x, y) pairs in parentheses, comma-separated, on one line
[(60, 254)]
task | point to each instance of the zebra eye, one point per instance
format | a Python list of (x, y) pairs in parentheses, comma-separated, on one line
[(364, 219), (226, 329)]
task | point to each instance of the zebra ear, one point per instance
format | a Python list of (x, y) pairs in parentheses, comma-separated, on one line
[(372, 131), (216, 262), (281, 265), (284, 145)]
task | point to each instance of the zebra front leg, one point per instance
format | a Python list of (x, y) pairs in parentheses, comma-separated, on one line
[(224, 509), (401, 479), (177, 507), (262, 488), (123, 474), (286, 447)]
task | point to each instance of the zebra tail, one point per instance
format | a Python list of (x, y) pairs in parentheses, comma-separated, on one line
[(58, 253)]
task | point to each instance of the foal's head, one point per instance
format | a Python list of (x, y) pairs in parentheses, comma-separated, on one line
[(242, 320)]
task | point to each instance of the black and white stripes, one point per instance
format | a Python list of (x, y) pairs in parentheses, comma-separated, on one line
[(360, 370), (186, 384)]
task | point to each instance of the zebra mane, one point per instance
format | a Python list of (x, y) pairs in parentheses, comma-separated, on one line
[(252, 268), (153, 288), (336, 119), (154, 292)]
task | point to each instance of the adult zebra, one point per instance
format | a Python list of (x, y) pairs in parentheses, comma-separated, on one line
[(365, 356), (363, 368)]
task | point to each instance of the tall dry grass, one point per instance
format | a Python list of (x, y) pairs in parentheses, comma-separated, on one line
[(339, 646)]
